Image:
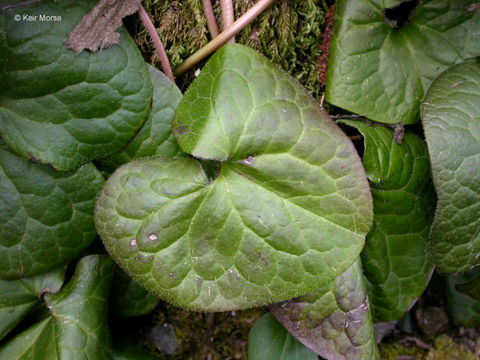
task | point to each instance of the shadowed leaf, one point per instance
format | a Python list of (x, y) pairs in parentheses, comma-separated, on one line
[(451, 120)]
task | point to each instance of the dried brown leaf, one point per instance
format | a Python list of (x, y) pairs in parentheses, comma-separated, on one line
[(97, 29)]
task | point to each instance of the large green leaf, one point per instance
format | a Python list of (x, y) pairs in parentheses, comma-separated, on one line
[(335, 320), (62, 109), (462, 308), (18, 297), (155, 137), (396, 260), (381, 71), (268, 340), (287, 212), (451, 119), (46, 217), (77, 325)]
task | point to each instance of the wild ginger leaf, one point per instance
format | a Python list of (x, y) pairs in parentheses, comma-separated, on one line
[(62, 109), (129, 299), (335, 320), (18, 297), (396, 260), (77, 324), (470, 288), (155, 137), (288, 210), (383, 60), (46, 216), (451, 119), (461, 308)]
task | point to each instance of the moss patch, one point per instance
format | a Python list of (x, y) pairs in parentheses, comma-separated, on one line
[(205, 335), (288, 33), (444, 348)]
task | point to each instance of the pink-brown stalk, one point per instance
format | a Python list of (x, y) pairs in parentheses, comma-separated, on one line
[(227, 15), (152, 31), (211, 22), (224, 36)]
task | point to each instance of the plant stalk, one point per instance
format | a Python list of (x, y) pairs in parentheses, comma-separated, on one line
[(227, 15), (147, 22), (211, 22), (224, 36)]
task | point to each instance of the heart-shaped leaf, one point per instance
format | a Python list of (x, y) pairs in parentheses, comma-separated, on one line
[(155, 137), (46, 216), (335, 320), (62, 109), (287, 212), (383, 58), (268, 339), (451, 119), (18, 297), (396, 259), (77, 324)]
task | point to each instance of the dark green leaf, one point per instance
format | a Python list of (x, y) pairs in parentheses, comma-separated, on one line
[(125, 348), (396, 260), (18, 297), (268, 340), (461, 308), (334, 321), (381, 71), (77, 327), (451, 119), (470, 288), (288, 211), (62, 109), (46, 217), (129, 299), (155, 137)]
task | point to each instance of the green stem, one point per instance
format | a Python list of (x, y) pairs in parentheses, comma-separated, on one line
[(224, 36)]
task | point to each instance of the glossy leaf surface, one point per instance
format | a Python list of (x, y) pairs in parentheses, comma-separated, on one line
[(62, 109), (77, 327), (451, 119), (381, 71), (46, 217), (155, 137), (335, 320), (268, 340), (288, 211), (396, 259), (18, 297)]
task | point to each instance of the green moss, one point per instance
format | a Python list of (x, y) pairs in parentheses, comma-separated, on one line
[(444, 348), (288, 33), (392, 351), (447, 349)]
